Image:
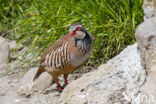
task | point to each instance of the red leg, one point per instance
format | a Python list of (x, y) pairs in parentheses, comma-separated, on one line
[(65, 80), (58, 85)]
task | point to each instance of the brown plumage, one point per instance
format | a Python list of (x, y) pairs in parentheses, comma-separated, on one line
[(66, 54)]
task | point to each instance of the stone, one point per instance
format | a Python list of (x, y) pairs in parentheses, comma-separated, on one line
[(149, 7), (4, 54), (117, 82), (146, 38), (128, 78), (27, 84), (14, 45)]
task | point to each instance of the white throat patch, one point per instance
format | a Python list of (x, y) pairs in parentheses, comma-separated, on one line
[(79, 35)]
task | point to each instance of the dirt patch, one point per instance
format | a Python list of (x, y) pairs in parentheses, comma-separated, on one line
[(9, 84)]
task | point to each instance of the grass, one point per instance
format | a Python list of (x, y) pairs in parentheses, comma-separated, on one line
[(39, 23)]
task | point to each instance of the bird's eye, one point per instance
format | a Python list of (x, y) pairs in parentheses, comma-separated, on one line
[(78, 28)]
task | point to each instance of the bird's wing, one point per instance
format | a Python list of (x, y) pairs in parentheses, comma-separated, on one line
[(56, 55)]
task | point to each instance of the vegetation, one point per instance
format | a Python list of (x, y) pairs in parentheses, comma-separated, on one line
[(39, 23)]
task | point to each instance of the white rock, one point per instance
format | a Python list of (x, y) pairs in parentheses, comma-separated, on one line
[(149, 7), (14, 45), (27, 83), (116, 82), (146, 38), (4, 54)]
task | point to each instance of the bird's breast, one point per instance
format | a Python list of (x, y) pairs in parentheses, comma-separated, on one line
[(78, 60), (80, 51)]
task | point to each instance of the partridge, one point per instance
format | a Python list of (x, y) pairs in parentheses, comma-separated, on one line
[(66, 54)]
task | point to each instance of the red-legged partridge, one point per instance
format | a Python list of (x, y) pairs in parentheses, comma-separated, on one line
[(66, 54)]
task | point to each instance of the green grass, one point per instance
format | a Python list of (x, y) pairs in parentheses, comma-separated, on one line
[(39, 23)]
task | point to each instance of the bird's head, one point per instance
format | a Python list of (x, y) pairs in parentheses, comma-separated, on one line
[(77, 31)]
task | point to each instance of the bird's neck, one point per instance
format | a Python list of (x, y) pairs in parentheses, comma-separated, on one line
[(84, 44)]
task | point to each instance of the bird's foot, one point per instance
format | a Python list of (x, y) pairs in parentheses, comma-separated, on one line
[(59, 88), (64, 85)]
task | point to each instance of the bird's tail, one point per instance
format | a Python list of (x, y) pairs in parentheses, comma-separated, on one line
[(39, 72)]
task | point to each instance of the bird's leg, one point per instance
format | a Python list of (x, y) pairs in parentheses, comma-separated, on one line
[(65, 80), (58, 85)]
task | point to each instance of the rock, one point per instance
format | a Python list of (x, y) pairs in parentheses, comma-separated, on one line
[(128, 78), (148, 91), (117, 82), (14, 45), (146, 38), (4, 54), (27, 83), (149, 7)]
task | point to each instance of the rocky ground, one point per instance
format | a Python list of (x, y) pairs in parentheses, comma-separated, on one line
[(13, 79), (128, 78), (8, 95), (11, 83)]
